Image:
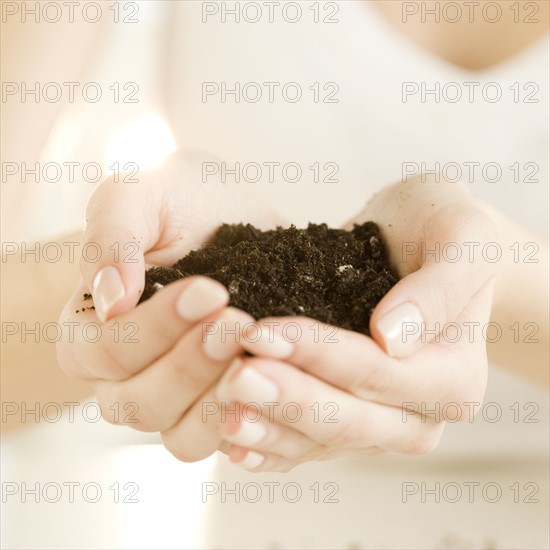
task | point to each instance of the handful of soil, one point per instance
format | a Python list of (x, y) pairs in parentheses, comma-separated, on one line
[(332, 275)]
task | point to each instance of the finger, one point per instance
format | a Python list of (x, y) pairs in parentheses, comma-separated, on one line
[(270, 461), (452, 270), (255, 461), (123, 222), (445, 379), (340, 357), (132, 341), (165, 391), (436, 380), (197, 434), (325, 414), (250, 427)]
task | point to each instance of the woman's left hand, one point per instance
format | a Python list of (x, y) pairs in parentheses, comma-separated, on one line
[(334, 392)]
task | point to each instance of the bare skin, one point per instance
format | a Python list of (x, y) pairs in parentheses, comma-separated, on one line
[(29, 371), (476, 47)]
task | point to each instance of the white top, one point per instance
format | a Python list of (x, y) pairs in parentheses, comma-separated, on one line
[(371, 132)]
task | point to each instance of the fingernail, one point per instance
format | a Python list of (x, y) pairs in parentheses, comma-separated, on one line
[(200, 298), (248, 434), (107, 290), (265, 341), (248, 386), (400, 329), (251, 460)]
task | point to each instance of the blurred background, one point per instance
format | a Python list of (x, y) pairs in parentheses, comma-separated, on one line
[(150, 62)]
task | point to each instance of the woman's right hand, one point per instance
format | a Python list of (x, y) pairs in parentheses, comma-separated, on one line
[(153, 366)]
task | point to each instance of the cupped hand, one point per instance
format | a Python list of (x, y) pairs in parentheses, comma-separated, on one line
[(151, 365), (158, 220), (332, 392)]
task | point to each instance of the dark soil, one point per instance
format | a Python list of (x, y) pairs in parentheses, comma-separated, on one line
[(332, 275)]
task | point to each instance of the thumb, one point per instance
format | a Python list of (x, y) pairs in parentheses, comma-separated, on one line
[(453, 269), (118, 233)]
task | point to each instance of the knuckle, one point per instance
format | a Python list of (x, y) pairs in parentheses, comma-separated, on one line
[(113, 400), (181, 367), (348, 433), (112, 366), (376, 380), (120, 407), (193, 369)]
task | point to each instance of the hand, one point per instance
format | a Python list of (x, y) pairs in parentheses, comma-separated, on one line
[(392, 392), (150, 366), (158, 220)]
